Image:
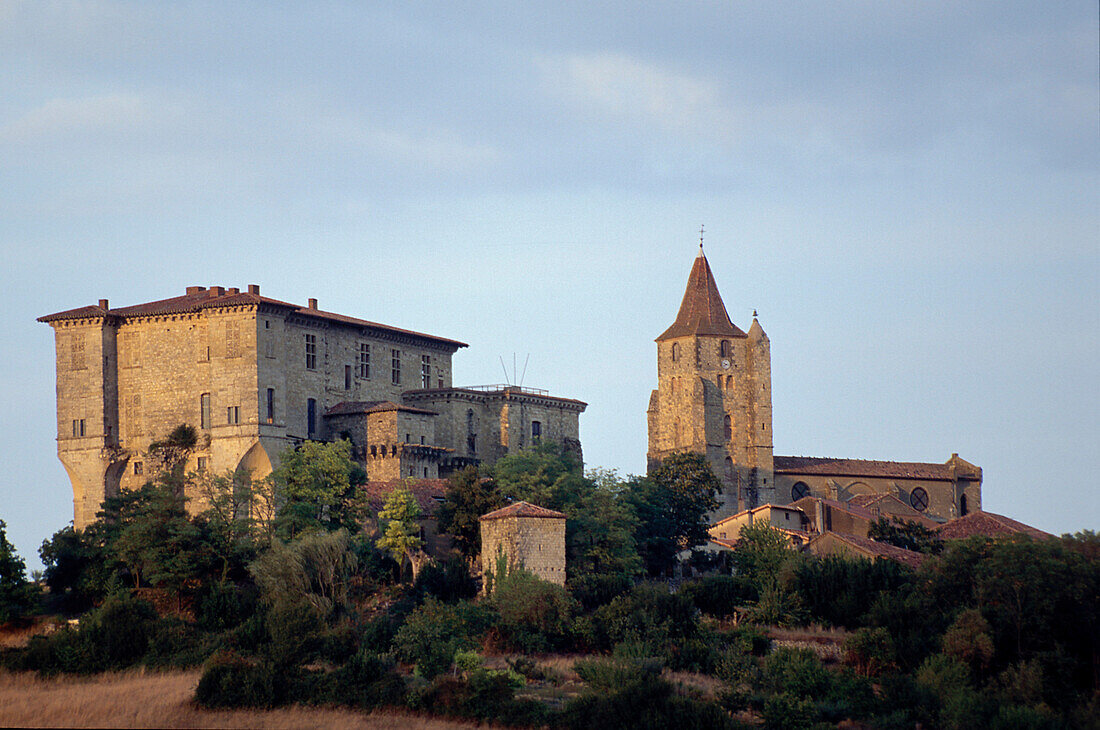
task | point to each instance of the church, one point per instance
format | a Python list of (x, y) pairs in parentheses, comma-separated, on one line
[(714, 397)]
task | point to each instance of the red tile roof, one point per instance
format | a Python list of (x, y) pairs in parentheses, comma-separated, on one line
[(372, 406), (522, 509), (819, 466), (198, 299), (987, 524), (806, 504), (701, 311), (428, 493), (889, 505), (872, 548)]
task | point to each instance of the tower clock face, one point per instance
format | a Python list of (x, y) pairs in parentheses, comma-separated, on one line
[(725, 364)]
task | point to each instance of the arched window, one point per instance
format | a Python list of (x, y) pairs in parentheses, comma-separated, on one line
[(799, 490), (962, 506), (729, 469), (675, 352), (724, 348), (727, 427)]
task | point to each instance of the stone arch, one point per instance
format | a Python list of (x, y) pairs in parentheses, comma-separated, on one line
[(858, 488), (256, 461), (112, 478)]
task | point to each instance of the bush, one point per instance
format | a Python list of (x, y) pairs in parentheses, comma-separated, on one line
[(870, 651), (485, 695), (449, 582), (365, 681), (595, 590), (719, 595), (648, 613), (644, 703), (223, 607), (433, 633), (229, 680), (175, 643), (535, 615), (797, 672), (294, 627), (608, 675)]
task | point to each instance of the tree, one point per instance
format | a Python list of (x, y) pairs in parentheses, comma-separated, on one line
[(235, 516), (16, 594), (400, 529), (318, 482), (672, 507), (469, 495), (908, 534), (315, 568)]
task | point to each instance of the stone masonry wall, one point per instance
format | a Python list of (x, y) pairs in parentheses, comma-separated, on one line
[(536, 543)]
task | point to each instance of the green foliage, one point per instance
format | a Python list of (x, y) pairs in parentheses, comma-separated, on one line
[(224, 606), (593, 591), (839, 591), (672, 507), (535, 616), (719, 595), (761, 552), (434, 632), (400, 529), (967, 639), (469, 496), (647, 614), (870, 651), (797, 672), (484, 695), (644, 702), (318, 482), (294, 629), (449, 581), (68, 559), (17, 595), (229, 680), (908, 534), (315, 568)]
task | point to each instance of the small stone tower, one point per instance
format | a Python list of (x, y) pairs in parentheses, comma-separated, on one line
[(714, 396), (529, 536)]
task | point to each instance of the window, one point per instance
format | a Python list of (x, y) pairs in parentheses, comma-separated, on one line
[(311, 417), (800, 490), (471, 434), (200, 463), (233, 415), (962, 505), (536, 431), (724, 348), (139, 468), (727, 427), (426, 371), (729, 468), (78, 427), (395, 367), (364, 360), (425, 472), (271, 405), (347, 377), (76, 351), (918, 498), (204, 410), (232, 339), (311, 352), (675, 351)]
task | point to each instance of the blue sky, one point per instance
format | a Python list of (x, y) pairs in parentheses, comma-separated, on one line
[(908, 194)]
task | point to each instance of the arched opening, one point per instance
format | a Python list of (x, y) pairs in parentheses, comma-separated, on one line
[(962, 506), (727, 427), (675, 352), (729, 469), (724, 348)]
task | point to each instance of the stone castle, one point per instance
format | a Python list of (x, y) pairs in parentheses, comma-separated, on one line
[(714, 398), (256, 375)]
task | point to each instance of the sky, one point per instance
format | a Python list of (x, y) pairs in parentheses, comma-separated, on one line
[(907, 193)]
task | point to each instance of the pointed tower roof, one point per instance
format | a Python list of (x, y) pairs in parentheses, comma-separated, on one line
[(702, 311)]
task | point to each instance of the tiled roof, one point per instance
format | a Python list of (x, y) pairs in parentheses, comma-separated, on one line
[(522, 509), (987, 524), (823, 466), (701, 311), (197, 299), (872, 548), (754, 510), (352, 407), (888, 504), (428, 493), (806, 504)]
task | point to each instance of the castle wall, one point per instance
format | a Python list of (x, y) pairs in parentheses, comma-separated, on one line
[(536, 543)]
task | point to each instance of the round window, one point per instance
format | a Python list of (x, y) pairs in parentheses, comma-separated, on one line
[(919, 499), (800, 490)]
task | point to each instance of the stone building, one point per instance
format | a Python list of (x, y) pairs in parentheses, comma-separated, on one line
[(713, 397), (255, 375), (528, 536)]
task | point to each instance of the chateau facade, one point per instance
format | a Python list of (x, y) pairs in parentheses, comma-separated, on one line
[(256, 375), (713, 397)]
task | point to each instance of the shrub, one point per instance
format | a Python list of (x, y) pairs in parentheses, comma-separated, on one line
[(224, 607), (535, 615), (365, 681), (595, 590), (433, 633), (870, 651), (174, 643), (797, 672), (647, 613), (784, 712), (608, 675), (485, 695), (719, 595), (449, 582), (644, 703), (294, 627), (229, 680)]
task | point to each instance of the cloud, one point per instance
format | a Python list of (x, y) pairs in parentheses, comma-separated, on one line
[(60, 118)]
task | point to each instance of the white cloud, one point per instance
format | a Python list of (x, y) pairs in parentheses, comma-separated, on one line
[(67, 117)]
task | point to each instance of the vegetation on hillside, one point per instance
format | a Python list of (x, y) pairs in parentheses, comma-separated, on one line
[(275, 592)]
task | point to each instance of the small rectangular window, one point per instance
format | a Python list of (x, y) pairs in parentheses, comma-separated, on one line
[(364, 360), (311, 417), (233, 415), (78, 427), (271, 405), (426, 371), (311, 352), (139, 468), (395, 367), (347, 377), (536, 431), (200, 464), (204, 410)]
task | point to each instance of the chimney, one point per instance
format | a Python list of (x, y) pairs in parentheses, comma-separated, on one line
[(253, 288), (234, 290), (819, 514), (103, 304), (217, 291), (312, 303), (195, 289)]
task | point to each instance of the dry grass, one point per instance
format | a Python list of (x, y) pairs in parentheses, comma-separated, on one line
[(138, 699)]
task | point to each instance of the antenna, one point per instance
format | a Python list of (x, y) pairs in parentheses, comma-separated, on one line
[(504, 369), (521, 377)]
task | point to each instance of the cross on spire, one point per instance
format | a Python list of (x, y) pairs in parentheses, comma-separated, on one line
[(701, 231)]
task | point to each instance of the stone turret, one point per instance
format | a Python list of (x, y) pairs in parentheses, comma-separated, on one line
[(713, 394)]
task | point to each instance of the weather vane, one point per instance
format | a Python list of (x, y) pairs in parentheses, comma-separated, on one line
[(701, 230)]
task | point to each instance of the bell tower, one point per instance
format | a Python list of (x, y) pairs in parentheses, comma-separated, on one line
[(713, 394)]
